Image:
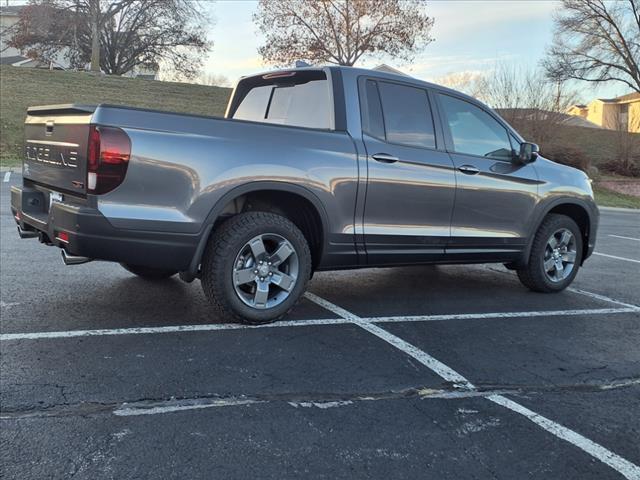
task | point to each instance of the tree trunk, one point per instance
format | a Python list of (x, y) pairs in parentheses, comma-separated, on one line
[(95, 35)]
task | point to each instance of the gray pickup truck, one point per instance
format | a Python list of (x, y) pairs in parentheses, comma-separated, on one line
[(311, 169)]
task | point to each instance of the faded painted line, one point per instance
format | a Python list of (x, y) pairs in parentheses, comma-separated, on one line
[(480, 316), (169, 329), (603, 298), (622, 466), (625, 238), (7, 176), (616, 257), (132, 411), (306, 323)]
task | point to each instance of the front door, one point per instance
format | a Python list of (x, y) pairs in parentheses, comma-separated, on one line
[(411, 184), (495, 196)]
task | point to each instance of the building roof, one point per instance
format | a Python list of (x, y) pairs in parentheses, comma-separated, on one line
[(12, 59), (383, 67), (629, 97), (11, 10)]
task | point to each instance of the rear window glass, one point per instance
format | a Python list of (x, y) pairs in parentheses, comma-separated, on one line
[(305, 104), (407, 115)]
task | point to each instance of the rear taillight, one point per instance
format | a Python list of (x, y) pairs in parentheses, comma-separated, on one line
[(108, 158)]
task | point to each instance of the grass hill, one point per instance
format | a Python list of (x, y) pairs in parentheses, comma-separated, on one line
[(24, 87)]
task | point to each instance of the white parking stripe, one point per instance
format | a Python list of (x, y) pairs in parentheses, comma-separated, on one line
[(626, 238), (624, 467), (7, 176), (306, 323), (616, 258), (602, 298)]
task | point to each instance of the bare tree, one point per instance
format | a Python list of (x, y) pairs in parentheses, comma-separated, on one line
[(341, 31), (468, 82), (132, 33), (535, 107), (596, 41)]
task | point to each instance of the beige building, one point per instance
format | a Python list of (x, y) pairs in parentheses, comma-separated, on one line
[(621, 113)]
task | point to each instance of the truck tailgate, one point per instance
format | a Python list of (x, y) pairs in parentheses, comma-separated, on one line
[(56, 142)]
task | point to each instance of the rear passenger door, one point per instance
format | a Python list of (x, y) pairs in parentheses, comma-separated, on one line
[(410, 178), (495, 196)]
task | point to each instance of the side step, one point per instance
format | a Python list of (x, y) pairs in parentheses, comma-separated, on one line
[(74, 260)]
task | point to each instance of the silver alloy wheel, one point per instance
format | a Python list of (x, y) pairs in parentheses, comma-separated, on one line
[(265, 271), (560, 255)]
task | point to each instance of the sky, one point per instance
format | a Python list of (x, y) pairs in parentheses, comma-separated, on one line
[(470, 35)]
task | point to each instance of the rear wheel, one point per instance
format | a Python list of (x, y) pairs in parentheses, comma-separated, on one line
[(148, 273), (555, 255), (256, 267)]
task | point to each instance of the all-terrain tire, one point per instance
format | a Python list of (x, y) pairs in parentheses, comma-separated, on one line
[(217, 268), (533, 275)]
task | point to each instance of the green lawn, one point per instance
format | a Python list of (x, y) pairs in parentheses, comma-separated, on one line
[(24, 87), (609, 198)]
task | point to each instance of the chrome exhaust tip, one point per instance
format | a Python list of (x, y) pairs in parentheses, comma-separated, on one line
[(73, 259)]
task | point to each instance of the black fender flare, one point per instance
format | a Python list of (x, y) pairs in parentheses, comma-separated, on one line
[(244, 189), (546, 207)]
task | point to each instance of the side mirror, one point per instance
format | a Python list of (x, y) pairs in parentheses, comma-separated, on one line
[(528, 152)]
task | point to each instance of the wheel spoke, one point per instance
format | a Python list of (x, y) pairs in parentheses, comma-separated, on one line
[(565, 238), (569, 257), (553, 242), (262, 294), (280, 255), (549, 264), (283, 280), (559, 270), (257, 248), (244, 276)]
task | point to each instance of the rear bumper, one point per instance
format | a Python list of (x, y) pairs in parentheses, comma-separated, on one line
[(90, 234)]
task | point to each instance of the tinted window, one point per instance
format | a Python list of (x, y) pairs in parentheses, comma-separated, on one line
[(474, 131), (372, 122), (407, 115), (301, 105), (254, 104)]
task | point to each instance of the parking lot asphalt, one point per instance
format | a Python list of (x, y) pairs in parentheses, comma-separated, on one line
[(428, 372)]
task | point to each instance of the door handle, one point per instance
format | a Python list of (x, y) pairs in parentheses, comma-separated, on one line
[(384, 158), (468, 169)]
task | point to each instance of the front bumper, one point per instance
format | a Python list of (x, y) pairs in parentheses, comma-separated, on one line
[(86, 232)]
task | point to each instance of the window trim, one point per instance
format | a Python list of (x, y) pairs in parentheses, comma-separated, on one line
[(450, 146), (435, 117)]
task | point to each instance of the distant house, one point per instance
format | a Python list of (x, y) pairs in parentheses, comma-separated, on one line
[(388, 69), (535, 114), (9, 16), (621, 113)]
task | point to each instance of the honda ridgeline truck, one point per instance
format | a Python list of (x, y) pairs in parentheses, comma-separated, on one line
[(311, 169)]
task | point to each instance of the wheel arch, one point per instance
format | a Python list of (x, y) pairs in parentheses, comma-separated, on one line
[(295, 202), (579, 211)]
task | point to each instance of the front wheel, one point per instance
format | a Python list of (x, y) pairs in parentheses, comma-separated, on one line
[(256, 267), (555, 255)]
